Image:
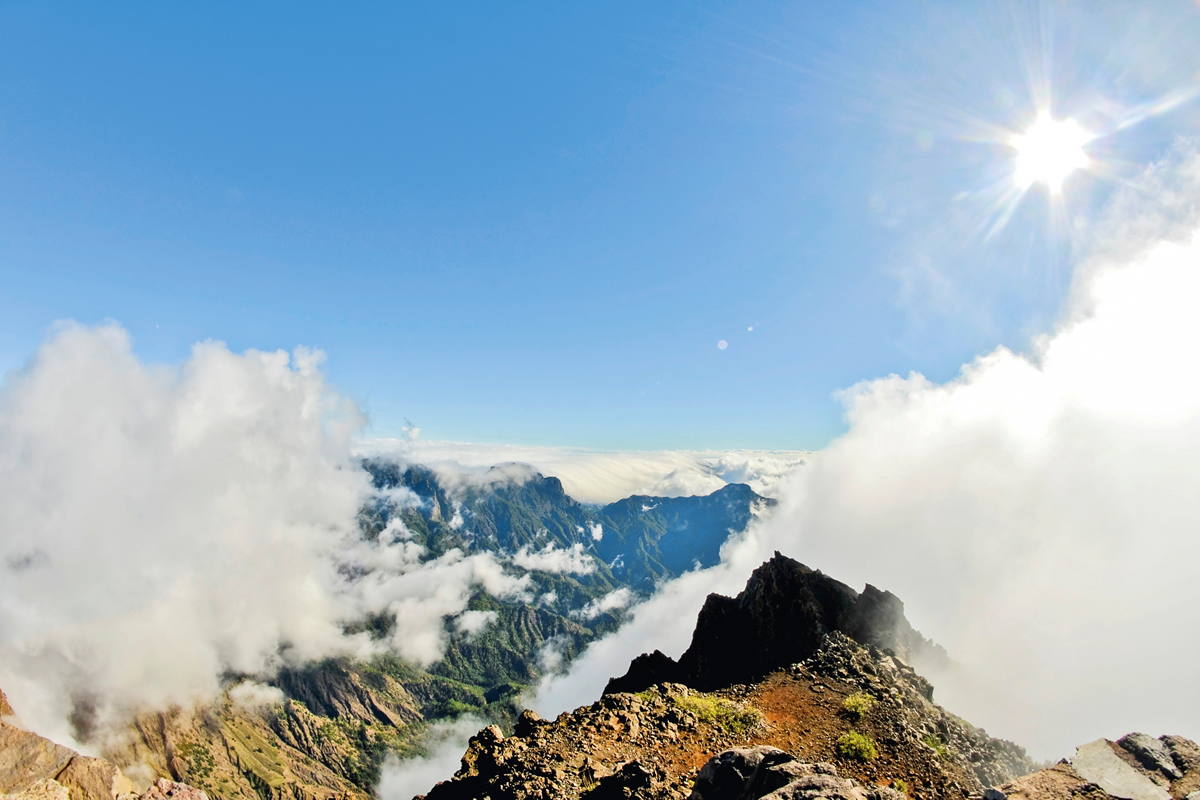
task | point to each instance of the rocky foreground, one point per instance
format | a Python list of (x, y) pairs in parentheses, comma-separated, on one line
[(654, 743), (825, 705), (799, 687)]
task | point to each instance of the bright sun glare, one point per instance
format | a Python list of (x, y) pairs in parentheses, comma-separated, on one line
[(1050, 151)]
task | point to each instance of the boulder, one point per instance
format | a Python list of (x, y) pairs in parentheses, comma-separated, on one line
[(163, 789), (727, 775), (768, 773), (1097, 763), (26, 758), (1151, 753), (633, 779)]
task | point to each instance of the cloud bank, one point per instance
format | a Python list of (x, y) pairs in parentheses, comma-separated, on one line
[(1037, 514), (572, 561), (592, 476), (165, 527), (162, 526), (446, 742)]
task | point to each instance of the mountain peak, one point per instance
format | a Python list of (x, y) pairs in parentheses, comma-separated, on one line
[(780, 618)]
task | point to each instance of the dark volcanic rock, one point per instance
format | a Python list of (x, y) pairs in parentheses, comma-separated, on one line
[(762, 772), (727, 775), (634, 779), (777, 739), (780, 618)]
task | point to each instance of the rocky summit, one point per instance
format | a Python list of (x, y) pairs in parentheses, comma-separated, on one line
[(782, 617), (860, 715), (823, 704), (799, 670)]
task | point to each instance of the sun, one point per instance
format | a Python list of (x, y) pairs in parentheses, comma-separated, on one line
[(1049, 151)]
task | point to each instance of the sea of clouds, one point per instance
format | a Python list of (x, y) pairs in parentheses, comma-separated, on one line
[(604, 476)]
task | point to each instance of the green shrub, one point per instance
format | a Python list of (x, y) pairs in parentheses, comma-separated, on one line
[(935, 744), (858, 704), (900, 785), (856, 746), (724, 714)]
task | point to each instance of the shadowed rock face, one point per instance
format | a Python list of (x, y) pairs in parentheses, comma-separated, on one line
[(780, 618), (768, 772)]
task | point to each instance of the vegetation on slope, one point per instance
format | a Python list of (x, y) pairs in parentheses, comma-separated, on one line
[(339, 718)]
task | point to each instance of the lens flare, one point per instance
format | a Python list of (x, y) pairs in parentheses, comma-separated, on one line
[(1049, 151)]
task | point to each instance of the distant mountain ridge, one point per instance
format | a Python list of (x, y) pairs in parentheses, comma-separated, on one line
[(639, 541)]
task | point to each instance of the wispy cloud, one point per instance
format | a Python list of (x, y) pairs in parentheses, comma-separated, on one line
[(552, 559), (618, 598)]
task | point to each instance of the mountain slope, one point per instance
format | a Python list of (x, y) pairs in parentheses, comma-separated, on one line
[(652, 741), (322, 730), (637, 542), (649, 539)]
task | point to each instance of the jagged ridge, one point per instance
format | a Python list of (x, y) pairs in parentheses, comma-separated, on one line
[(780, 618), (652, 744)]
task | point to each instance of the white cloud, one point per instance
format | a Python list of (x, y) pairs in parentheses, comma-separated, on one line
[(618, 598), (473, 622), (593, 476), (1037, 514), (166, 526), (551, 559), (402, 780), (251, 694), (551, 655), (422, 596), (597, 530), (176, 523)]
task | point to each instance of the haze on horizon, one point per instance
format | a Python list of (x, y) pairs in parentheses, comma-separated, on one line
[(649, 249)]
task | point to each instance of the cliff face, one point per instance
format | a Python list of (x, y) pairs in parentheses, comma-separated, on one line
[(780, 618), (34, 768), (325, 741)]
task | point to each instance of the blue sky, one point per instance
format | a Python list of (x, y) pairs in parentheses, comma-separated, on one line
[(535, 224)]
